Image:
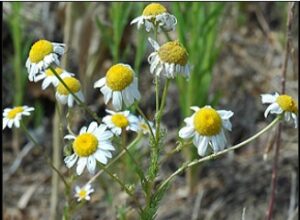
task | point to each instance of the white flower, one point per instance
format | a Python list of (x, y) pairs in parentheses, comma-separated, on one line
[(120, 85), (92, 143), (281, 104), (42, 54), (13, 116), (169, 59), (49, 78), (83, 192), (156, 15), (117, 121), (144, 127), (206, 126), (64, 96)]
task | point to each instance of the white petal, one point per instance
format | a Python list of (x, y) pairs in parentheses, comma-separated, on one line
[(295, 119), (100, 157), (107, 93), (268, 98), (127, 97), (91, 164), (186, 132), (100, 83), (227, 124), (105, 135), (201, 143), (46, 83), (194, 108), (106, 146), (225, 114), (273, 108), (70, 100), (17, 123), (154, 44), (81, 165), (117, 100), (82, 130), (70, 160), (69, 137), (92, 127)]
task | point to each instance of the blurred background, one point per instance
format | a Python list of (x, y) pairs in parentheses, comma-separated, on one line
[(236, 51)]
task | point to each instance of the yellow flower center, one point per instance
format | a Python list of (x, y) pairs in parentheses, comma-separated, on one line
[(50, 73), (207, 122), (118, 77), (144, 126), (82, 193), (39, 50), (120, 120), (85, 144), (173, 52), (287, 103), (154, 9), (72, 83), (12, 113)]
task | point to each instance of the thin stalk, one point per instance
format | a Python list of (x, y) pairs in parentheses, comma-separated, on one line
[(290, 15), (81, 104), (146, 120), (213, 156), (116, 158), (136, 165), (47, 158), (156, 77), (162, 106), (117, 179)]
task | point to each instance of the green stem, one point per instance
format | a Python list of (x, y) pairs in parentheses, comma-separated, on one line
[(146, 120), (133, 143), (81, 104), (162, 106), (117, 179), (47, 158), (136, 165), (213, 156)]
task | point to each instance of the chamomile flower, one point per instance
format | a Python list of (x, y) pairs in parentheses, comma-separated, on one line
[(144, 127), (13, 116), (83, 192), (42, 54), (49, 78), (64, 96), (206, 126), (118, 121), (169, 59), (91, 145), (153, 15), (120, 85), (281, 104)]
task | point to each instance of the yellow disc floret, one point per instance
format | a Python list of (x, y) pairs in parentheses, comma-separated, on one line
[(207, 122), (12, 113), (173, 52), (82, 193), (57, 70), (154, 9), (287, 103), (85, 144), (72, 83), (39, 50), (120, 120), (119, 76)]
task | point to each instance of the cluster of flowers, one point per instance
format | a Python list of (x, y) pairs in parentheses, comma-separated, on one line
[(93, 143)]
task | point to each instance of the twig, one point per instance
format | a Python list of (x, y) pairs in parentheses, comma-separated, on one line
[(277, 146), (17, 162)]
